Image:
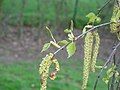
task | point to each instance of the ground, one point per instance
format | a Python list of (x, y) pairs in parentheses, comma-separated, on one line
[(30, 45), (24, 75)]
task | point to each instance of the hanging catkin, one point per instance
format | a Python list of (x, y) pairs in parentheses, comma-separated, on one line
[(95, 50), (115, 26), (87, 58), (57, 68), (44, 69)]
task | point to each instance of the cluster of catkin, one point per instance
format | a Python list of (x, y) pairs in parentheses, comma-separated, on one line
[(44, 70), (115, 26), (91, 48)]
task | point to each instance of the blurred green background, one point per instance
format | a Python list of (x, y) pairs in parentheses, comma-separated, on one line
[(22, 25), (53, 12)]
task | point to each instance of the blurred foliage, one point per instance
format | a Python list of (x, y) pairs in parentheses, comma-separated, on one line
[(52, 12)]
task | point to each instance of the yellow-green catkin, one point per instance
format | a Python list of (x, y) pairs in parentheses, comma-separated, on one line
[(44, 69), (95, 50), (87, 58), (115, 27), (57, 68)]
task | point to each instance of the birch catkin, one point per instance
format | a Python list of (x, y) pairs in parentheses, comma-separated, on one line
[(87, 58), (95, 50), (115, 26), (44, 69), (57, 68), (115, 17)]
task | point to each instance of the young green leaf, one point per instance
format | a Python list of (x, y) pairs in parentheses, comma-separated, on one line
[(71, 48), (67, 31), (45, 47), (71, 37), (63, 42), (98, 20), (91, 17), (106, 80)]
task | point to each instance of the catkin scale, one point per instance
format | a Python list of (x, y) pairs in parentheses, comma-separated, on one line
[(87, 58), (44, 69), (95, 50)]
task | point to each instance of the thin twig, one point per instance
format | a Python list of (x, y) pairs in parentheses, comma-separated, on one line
[(107, 2), (105, 65), (112, 86), (51, 34), (93, 28), (60, 49), (89, 30)]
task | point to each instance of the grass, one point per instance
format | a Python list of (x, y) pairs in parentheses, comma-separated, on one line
[(23, 75)]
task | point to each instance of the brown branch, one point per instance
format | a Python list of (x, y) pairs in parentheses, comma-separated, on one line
[(105, 65)]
